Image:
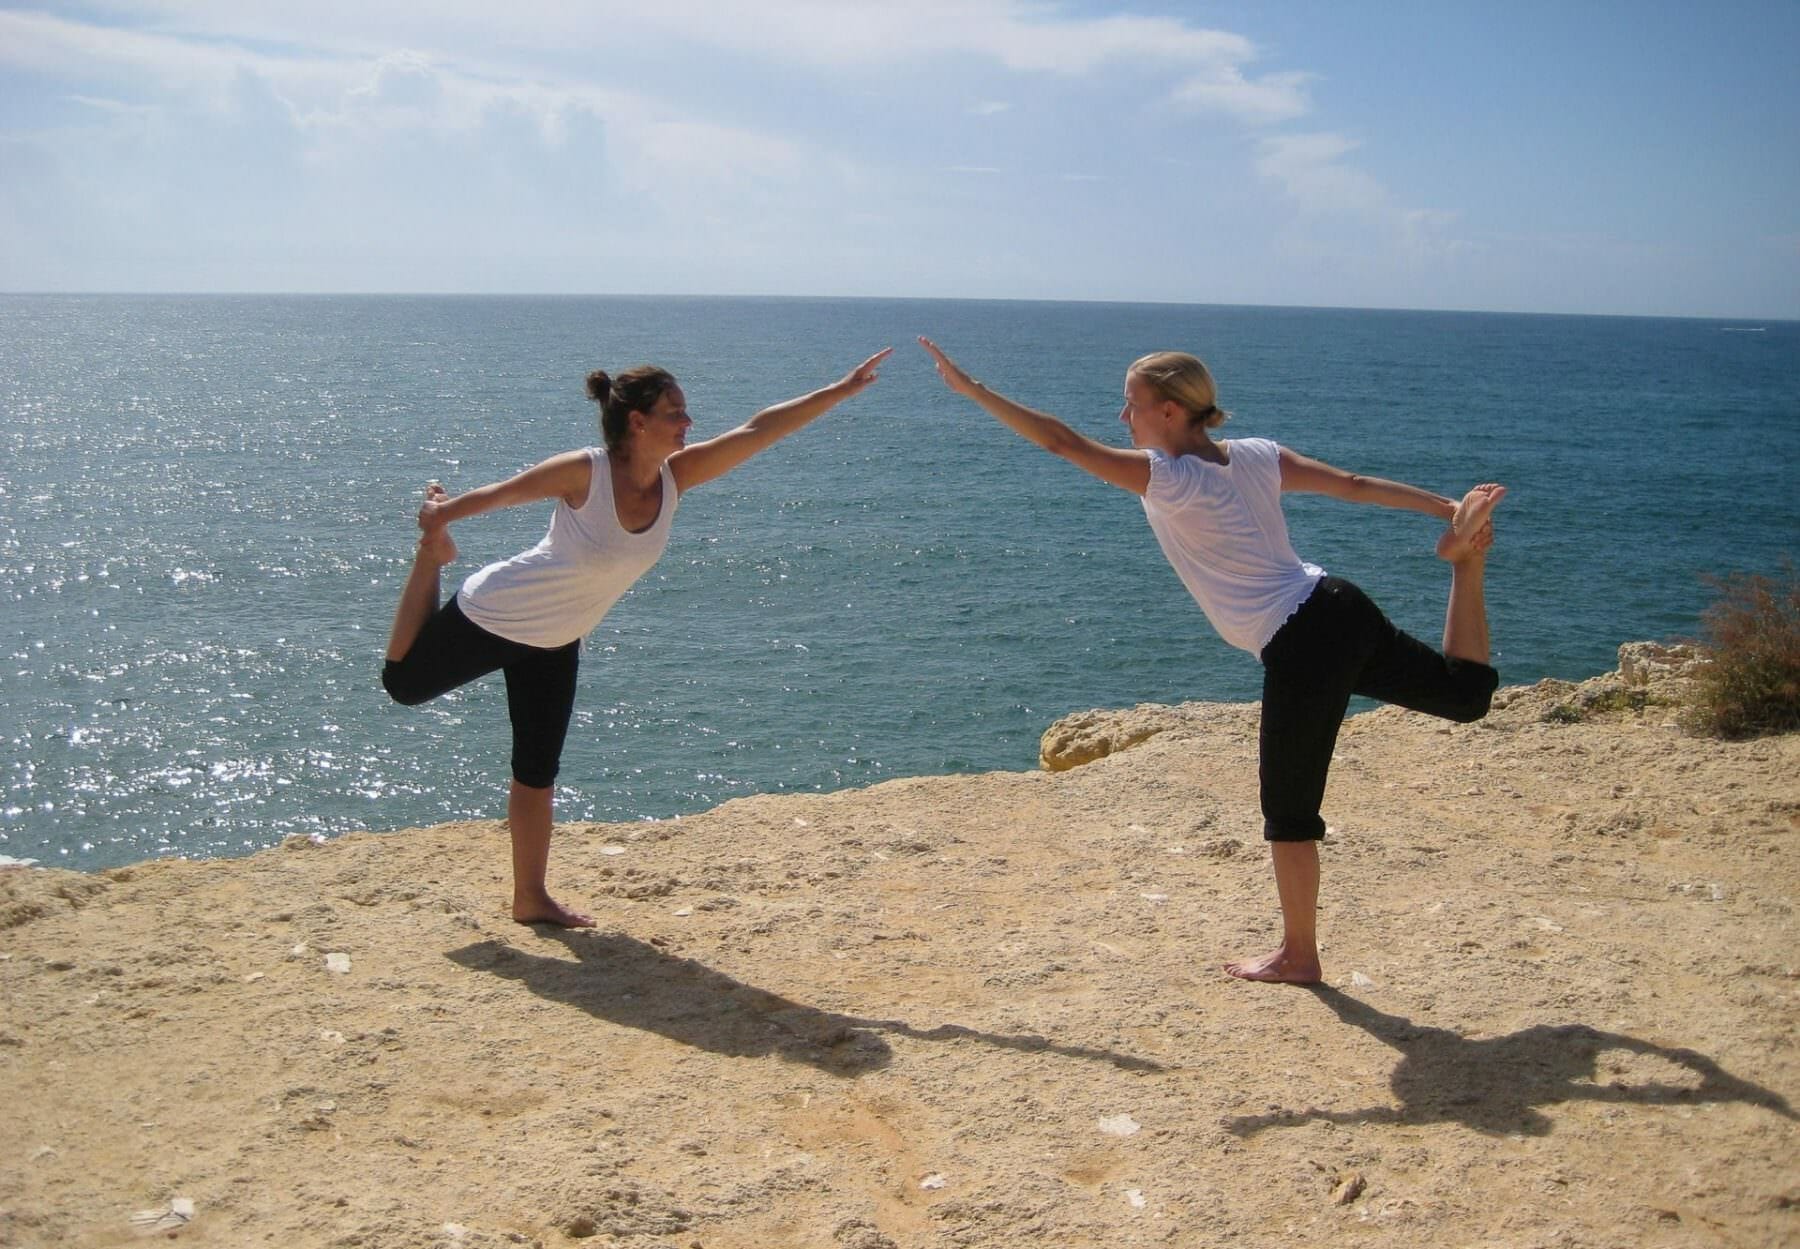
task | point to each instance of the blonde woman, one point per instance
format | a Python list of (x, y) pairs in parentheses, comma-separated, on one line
[(526, 616), (1215, 508)]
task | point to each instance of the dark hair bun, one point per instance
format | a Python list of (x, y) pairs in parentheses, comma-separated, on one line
[(599, 386)]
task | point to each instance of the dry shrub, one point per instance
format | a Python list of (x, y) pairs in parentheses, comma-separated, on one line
[(1752, 686)]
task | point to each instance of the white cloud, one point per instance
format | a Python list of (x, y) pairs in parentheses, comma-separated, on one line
[(1310, 169), (1033, 38), (1427, 234), (41, 44), (834, 37), (488, 128), (401, 80), (1267, 100), (1024, 34), (181, 164), (111, 108), (342, 100), (1348, 218)]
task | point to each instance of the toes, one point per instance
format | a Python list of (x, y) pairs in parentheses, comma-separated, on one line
[(1464, 536)]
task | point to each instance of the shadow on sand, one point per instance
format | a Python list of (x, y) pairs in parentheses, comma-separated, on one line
[(1497, 1085), (636, 985)]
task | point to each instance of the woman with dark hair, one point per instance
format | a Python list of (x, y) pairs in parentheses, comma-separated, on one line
[(526, 616), (1215, 507)]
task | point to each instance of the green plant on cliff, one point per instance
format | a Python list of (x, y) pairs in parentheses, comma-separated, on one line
[(1751, 687)]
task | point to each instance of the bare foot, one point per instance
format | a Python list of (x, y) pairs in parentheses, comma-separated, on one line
[(1471, 518), (438, 548), (548, 910), (1279, 967), (436, 544)]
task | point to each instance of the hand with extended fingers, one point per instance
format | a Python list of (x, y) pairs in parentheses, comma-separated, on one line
[(953, 376), (863, 374)]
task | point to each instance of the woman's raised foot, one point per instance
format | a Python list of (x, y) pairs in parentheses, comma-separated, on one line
[(438, 548), (1464, 538)]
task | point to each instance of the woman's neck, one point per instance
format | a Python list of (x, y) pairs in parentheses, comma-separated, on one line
[(637, 471), (1195, 441)]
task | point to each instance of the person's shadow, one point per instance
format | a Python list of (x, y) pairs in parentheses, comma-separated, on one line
[(636, 985), (1497, 1085)]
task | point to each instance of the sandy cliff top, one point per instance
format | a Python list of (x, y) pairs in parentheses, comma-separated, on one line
[(960, 1011)]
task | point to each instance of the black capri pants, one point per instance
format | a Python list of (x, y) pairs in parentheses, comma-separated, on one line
[(1338, 643), (452, 650)]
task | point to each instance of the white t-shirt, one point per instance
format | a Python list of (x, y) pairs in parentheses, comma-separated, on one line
[(1221, 527), (561, 588)]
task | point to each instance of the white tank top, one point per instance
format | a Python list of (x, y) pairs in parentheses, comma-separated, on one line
[(561, 588), (1221, 527)]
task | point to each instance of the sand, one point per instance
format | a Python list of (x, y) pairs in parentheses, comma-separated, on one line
[(1560, 948)]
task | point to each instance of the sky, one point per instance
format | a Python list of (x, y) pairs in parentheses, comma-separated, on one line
[(1572, 157)]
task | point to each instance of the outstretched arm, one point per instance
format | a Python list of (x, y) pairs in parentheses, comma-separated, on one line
[(1317, 477), (567, 477), (1129, 470), (700, 463)]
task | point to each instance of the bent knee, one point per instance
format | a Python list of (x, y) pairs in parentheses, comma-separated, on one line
[(1478, 682), (1472, 710), (408, 693)]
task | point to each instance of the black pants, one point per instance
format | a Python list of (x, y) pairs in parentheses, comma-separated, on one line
[(1337, 644), (452, 650)]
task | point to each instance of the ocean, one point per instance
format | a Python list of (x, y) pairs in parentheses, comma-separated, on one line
[(206, 513)]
